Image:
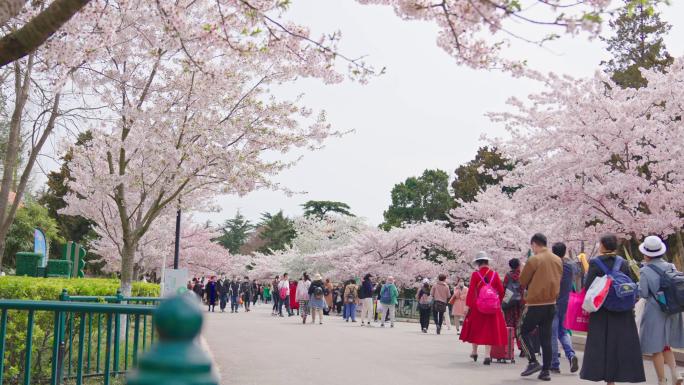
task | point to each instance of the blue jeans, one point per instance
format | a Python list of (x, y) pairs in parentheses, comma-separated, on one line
[(234, 303), (350, 311), (559, 333)]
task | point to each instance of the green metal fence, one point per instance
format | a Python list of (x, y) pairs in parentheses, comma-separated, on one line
[(76, 338)]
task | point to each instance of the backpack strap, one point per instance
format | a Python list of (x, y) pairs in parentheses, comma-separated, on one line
[(656, 269), (617, 264), (482, 278), (602, 265)]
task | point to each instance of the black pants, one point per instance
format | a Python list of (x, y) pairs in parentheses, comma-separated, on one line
[(439, 318), (223, 301), (424, 318), (537, 317)]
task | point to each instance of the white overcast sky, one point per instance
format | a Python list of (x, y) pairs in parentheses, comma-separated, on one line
[(426, 112)]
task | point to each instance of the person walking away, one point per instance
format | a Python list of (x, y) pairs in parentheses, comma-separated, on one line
[(328, 293), (255, 292), (612, 352), (558, 331), (235, 295), (338, 299), (366, 298), (458, 303), (484, 323), (541, 276), (389, 298), (513, 302), (424, 305), (223, 287), (267, 292), (197, 288), (351, 297), (284, 293), (275, 295), (247, 293), (440, 296), (303, 296), (294, 305), (317, 299), (212, 293), (378, 305), (662, 328)]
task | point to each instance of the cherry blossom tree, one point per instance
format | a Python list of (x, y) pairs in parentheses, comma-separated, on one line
[(473, 31), (590, 157), (198, 253), (186, 116), (361, 249), (466, 27)]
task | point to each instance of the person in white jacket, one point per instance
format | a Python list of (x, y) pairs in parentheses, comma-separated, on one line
[(302, 296), (284, 293)]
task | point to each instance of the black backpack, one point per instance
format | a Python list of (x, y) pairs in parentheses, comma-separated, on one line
[(318, 292), (672, 286), (514, 286)]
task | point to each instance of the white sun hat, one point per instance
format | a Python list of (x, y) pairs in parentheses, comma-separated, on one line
[(482, 256), (653, 247)]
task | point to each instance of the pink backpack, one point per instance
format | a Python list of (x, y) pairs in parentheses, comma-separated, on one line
[(488, 301)]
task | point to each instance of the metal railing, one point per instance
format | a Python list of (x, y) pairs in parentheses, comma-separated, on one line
[(407, 308), (55, 342)]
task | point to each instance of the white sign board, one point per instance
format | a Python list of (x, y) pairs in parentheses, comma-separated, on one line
[(175, 282)]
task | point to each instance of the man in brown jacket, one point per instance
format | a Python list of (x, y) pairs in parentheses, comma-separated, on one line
[(541, 277)]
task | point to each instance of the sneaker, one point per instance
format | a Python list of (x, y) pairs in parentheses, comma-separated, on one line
[(382, 325), (424, 330), (544, 375), (532, 368), (574, 365), (392, 325), (487, 361), (346, 320), (555, 370)]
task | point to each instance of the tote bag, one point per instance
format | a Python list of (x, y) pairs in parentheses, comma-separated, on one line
[(597, 293), (576, 318)]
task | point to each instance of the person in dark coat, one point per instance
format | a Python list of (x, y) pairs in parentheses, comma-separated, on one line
[(612, 352), (197, 288), (246, 293), (223, 287), (212, 293), (235, 285)]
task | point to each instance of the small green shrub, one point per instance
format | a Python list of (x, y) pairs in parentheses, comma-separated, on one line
[(30, 288)]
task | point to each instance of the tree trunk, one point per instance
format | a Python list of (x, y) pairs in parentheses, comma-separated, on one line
[(678, 259), (33, 34), (7, 208), (127, 264)]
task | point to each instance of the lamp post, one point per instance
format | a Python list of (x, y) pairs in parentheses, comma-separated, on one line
[(177, 246)]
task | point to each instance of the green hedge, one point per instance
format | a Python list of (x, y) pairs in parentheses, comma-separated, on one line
[(50, 288), (30, 288)]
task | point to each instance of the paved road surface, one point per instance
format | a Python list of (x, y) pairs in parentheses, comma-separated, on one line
[(257, 349)]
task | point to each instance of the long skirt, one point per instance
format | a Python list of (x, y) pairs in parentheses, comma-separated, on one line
[(612, 352)]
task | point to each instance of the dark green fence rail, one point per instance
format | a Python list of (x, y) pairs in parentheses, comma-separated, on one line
[(77, 338)]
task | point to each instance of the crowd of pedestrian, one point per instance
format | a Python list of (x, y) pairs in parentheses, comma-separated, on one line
[(240, 293), (527, 309)]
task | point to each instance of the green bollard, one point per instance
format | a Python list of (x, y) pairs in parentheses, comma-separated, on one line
[(176, 359)]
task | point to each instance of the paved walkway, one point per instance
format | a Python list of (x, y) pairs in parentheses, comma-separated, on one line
[(257, 349)]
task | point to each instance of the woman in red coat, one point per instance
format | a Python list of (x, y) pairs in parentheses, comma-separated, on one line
[(294, 305), (480, 328)]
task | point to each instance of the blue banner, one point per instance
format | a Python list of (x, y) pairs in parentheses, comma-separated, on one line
[(40, 246)]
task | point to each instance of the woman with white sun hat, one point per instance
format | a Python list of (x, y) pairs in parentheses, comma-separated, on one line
[(660, 332)]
